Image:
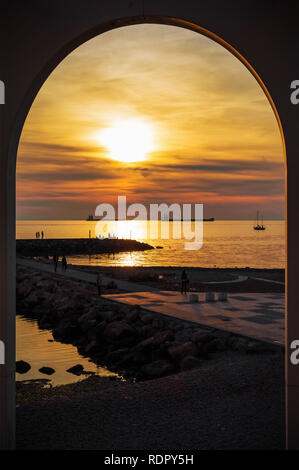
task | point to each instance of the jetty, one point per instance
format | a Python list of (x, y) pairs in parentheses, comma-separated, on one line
[(77, 246)]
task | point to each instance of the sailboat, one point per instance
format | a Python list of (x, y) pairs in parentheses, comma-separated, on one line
[(259, 226)]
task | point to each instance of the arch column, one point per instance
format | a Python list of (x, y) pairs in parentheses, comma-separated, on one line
[(7, 297)]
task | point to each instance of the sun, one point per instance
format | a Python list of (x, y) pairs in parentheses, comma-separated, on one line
[(128, 141)]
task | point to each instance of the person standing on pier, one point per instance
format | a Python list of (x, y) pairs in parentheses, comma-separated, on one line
[(55, 261), (99, 283), (42, 235), (184, 282), (64, 263)]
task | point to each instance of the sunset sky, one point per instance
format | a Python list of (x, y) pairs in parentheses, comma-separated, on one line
[(194, 118)]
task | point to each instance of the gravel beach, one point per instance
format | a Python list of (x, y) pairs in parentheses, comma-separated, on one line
[(236, 402)]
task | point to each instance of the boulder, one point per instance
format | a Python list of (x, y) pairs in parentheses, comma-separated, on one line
[(86, 317), (46, 285), (120, 332), (99, 329), (215, 345), (201, 337), (92, 347), (76, 370), (146, 318), (157, 369), (145, 331), (109, 315), (133, 315), (158, 323), (182, 335), (162, 337), (179, 351), (189, 362), (46, 370), (116, 356), (22, 367), (144, 346), (33, 298), (67, 332)]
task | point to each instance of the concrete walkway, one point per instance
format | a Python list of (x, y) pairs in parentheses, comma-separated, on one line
[(257, 315), (80, 275)]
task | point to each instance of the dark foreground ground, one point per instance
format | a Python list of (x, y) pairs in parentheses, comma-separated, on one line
[(234, 403)]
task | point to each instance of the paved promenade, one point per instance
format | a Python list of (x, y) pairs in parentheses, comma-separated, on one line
[(258, 315)]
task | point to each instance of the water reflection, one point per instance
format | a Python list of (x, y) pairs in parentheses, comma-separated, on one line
[(37, 347)]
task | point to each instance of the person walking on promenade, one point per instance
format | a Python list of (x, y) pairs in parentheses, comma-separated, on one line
[(55, 261), (99, 283), (64, 263), (184, 282)]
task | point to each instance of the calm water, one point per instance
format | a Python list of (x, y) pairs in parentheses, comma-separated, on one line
[(32, 346), (225, 243)]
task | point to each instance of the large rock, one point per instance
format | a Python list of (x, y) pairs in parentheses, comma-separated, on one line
[(120, 333), (157, 369), (76, 370), (116, 356), (47, 285), (24, 288), (67, 332), (215, 345), (162, 337), (146, 317), (133, 315), (189, 362), (46, 370), (201, 337), (145, 331), (183, 335), (179, 351), (22, 367)]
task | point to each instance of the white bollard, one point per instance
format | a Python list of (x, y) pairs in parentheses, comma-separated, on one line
[(210, 297), (222, 296), (193, 298)]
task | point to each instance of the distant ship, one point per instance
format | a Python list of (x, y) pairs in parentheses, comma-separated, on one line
[(165, 218), (91, 218), (259, 226)]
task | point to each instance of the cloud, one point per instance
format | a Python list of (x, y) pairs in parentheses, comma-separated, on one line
[(215, 132)]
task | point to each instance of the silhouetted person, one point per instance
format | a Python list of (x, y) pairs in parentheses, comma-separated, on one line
[(55, 261), (184, 282), (99, 283), (42, 235), (89, 233), (64, 263)]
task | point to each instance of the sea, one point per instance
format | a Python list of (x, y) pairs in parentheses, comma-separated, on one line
[(226, 243)]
